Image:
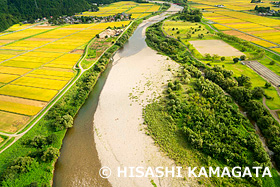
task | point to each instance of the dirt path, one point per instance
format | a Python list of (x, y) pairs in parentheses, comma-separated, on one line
[(273, 112)]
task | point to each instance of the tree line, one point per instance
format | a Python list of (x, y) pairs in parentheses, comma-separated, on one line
[(247, 98), (14, 11), (36, 150), (220, 113)]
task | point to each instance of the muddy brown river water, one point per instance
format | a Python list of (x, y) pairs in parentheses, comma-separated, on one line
[(79, 164)]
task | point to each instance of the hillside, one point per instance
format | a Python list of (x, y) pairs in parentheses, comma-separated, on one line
[(12, 11)]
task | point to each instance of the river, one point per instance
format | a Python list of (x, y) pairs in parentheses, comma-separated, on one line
[(79, 163)]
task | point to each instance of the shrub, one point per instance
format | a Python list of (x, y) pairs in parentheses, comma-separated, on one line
[(235, 60), (272, 62), (267, 85), (242, 57), (257, 93), (50, 154)]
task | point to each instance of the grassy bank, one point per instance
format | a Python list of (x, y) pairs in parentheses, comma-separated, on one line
[(37, 151), (187, 31), (170, 120)]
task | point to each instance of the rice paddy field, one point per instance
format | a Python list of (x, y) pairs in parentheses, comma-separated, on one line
[(137, 10), (211, 44), (36, 63), (236, 19)]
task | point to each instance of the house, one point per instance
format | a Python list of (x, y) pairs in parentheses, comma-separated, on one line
[(220, 6)]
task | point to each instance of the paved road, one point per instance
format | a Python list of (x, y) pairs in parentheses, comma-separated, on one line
[(39, 116), (215, 30)]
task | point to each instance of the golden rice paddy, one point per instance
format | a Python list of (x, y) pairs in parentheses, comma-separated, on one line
[(39, 94), (137, 10), (10, 122), (264, 30), (36, 63)]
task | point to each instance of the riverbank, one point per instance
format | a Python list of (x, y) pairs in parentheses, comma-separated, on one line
[(120, 137), (176, 115), (40, 172), (135, 80)]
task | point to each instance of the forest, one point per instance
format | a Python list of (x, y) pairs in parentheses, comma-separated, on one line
[(14, 11)]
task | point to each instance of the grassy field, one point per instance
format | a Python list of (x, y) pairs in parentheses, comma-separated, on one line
[(180, 30), (183, 29), (257, 81), (96, 49)]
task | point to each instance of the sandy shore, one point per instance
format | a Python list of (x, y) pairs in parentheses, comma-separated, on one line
[(120, 136)]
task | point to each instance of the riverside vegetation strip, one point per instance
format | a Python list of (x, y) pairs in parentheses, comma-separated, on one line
[(37, 151), (42, 68), (188, 33), (198, 125)]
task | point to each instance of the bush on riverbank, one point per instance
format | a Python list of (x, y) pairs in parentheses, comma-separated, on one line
[(223, 78), (43, 150)]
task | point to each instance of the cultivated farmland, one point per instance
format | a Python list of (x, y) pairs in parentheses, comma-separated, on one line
[(263, 31), (212, 45), (218, 47), (135, 9), (36, 63)]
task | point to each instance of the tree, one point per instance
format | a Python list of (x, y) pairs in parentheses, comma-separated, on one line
[(242, 57), (33, 184), (255, 109), (63, 122), (257, 93), (97, 36), (223, 58), (38, 141), (244, 80), (215, 56), (264, 122), (241, 94), (197, 18), (51, 139), (207, 56), (235, 60), (267, 85), (200, 36), (50, 154), (20, 165), (272, 62)]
